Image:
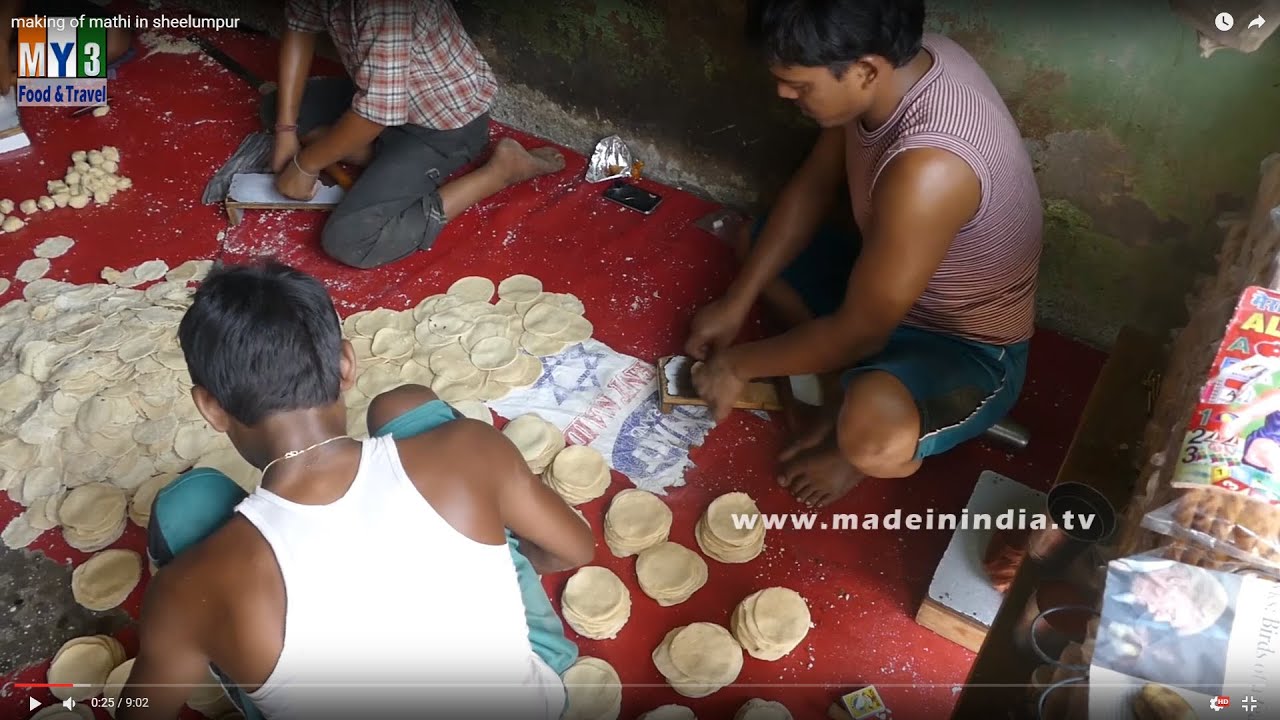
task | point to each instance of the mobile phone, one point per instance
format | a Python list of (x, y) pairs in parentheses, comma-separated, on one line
[(630, 196)]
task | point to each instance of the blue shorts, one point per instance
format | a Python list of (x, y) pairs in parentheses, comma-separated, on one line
[(961, 387), (201, 500)]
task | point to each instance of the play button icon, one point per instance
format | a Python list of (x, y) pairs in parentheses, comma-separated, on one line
[(33, 704)]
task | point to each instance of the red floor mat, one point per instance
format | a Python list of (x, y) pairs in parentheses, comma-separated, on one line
[(176, 117)]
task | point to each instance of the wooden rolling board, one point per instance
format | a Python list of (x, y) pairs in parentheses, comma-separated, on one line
[(759, 395), (961, 603), (256, 191)]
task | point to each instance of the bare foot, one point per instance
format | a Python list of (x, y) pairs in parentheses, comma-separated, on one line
[(810, 426), (819, 476), (517, 164)]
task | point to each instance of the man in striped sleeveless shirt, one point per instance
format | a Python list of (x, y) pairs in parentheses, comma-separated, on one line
[(925, 309)]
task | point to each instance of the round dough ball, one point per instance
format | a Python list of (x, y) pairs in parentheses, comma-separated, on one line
[(45, 203), (12, 224), (29, 207)]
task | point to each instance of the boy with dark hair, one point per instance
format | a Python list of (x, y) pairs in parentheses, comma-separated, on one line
[(928, 305), (361, 576)]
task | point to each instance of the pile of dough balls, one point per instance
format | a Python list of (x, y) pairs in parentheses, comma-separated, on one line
[(698, 659), (757, 709), (595, 603), (578, 473), (770, 623), (92, 176), (670, 573), (8, 221), (669, 712), (722, 533), (636, 521), (537, 440), (594, 690)]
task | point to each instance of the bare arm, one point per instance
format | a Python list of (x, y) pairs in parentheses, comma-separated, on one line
[(923, 198), (805, 200), (350, 134), (552, 536), (168, 655), (297, 49)]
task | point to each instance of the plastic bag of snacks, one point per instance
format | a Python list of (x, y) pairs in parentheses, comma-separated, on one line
[(1228, 467)]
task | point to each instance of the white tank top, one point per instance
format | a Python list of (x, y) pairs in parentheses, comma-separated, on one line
[(390, 612)]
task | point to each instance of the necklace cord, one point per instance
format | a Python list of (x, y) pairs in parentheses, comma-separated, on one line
[(295, 453)]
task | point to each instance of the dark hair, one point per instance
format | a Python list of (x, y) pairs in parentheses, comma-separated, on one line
[(835, 33), (263, 339)]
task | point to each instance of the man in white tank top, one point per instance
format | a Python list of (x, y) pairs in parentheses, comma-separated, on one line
[(362, 577), (926, 307)]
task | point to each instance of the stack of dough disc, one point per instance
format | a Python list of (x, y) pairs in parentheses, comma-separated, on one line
[(771, 623), (757, 709), (636, 520), (93, 516), (698, 659), (104, 581), (210, 700), (579, 473), (670, 573), (145, 496), (594, 690), (722, 533), (537, 440), (88, 659), (669, 712), (115, 684), (595, 603), (474, 410)]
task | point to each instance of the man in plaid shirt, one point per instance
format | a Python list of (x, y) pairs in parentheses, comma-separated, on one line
[(413, 110)]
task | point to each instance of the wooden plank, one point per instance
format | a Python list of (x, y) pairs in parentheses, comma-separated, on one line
[(960, 629), (1104, 455), (759, 395)]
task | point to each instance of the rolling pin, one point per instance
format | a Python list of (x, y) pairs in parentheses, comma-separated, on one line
[(340, 176)]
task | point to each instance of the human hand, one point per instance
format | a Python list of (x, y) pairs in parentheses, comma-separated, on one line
[(714, 328), (718, 384), (293, 183), (286, 146)]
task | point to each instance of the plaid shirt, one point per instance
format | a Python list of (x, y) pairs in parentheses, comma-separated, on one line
[(412, 62)]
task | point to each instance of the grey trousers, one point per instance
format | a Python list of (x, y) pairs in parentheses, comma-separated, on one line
[(394, 208)]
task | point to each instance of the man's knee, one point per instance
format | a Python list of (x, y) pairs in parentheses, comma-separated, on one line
[(395, 402), (879, 426), (364, 240)]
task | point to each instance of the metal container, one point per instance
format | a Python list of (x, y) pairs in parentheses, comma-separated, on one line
[(1079, 516)]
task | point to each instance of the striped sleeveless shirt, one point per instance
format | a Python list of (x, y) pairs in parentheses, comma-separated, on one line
[(985, 288)]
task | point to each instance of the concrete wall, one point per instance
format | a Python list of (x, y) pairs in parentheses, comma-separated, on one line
[(1140, 144)]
